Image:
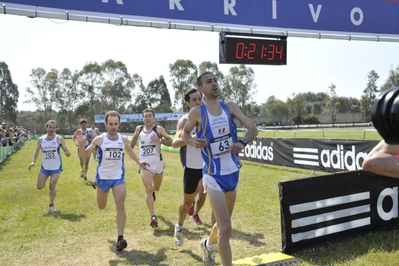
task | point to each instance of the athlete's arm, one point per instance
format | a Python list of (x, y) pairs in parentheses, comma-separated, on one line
[(166, 139), (36, 153), (61, 141), (178, 139), (252, 131), (132, 154), (135, 137), (194, 118)]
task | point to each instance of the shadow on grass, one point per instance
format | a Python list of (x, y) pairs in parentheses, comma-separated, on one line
[(66, 216), (138, 257), (345, 251)]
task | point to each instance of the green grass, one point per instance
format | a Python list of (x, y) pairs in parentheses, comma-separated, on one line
[(80, 234)]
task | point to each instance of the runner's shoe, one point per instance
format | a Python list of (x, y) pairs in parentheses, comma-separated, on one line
[(178, 235), (196, 219), (85, 178), (191, 210), (94, 184), (209, 253), (82, 174), (154, 221), (51, 208), (121, 244)]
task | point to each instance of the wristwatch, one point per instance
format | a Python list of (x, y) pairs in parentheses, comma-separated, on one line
[(244, 141)]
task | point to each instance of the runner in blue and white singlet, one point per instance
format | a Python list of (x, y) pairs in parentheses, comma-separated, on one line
[(51, 154), (111, 158), (220, 132)]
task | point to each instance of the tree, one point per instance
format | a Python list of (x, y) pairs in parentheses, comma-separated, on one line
[(117, 87), (392, 80), (91, 82), (184, 77), (276, 108), (241, 87), (332, 102), (8, 95), (160, 95), (68, 96), (42, 92), (369, 95), (296, 107), (140, 98)]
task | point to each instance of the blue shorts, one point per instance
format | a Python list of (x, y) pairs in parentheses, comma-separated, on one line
[(107, 184), (224, 183), (50, 172)]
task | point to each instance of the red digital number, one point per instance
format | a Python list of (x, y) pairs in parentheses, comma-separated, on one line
[(251, 51), (240, 47), (280, 51)]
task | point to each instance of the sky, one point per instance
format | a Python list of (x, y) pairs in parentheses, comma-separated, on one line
[(312, 64)]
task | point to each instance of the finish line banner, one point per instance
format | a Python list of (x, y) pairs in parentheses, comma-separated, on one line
[(367, 17), (318, 210), (313, 154)]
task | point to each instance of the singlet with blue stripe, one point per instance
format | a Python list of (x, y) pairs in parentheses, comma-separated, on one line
[(51, 153), (149, 151), (190, 157), (88, 136), (111, 158), (220, 133)]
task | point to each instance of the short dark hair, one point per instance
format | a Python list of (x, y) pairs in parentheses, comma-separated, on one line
[(199, 79), (51, 122), (148, 110), (187, 95), (111, 113), (82, 120)]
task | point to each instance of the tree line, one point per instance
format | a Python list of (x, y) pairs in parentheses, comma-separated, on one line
[(69, 95)]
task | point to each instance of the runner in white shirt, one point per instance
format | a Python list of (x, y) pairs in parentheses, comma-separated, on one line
[(111, 168), (51, 167), (151, 137)]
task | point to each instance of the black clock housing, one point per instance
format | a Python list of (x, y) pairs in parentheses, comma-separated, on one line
[(256, 50)]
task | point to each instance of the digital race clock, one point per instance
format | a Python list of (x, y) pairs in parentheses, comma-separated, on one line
[(259, 50)]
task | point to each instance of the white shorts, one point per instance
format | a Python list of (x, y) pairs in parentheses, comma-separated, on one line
[(156, 168), (222, 183)]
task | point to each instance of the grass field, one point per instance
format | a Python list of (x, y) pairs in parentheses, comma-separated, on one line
[(80, 234)]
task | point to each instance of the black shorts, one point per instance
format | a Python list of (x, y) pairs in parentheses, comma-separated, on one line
[(191, 179)]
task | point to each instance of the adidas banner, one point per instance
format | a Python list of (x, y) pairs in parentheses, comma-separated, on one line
[(314, 154), (319, 210)]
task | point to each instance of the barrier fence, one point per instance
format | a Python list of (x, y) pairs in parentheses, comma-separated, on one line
[(7, 150)]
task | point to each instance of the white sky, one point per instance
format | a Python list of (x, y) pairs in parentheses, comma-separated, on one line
[(312, 64)]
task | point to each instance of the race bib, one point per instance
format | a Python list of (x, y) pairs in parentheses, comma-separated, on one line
[(49, 154), (148, 150), (113, 153), (220, 145)]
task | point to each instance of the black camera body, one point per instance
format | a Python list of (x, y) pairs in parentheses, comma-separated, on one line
[(385, 115)]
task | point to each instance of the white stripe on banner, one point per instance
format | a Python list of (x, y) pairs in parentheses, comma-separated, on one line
[(306, 162), (306, 156), (331, 229), (312, 156), (329, 216), (310, 150), (314, 205)]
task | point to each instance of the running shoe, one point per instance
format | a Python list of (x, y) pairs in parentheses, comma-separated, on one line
[(209, 253), (94, 184), (178, 235), (191, 210), (154, 221), (85, 178), (82, 174), (51, 208), (196, 219), (121, 244)]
